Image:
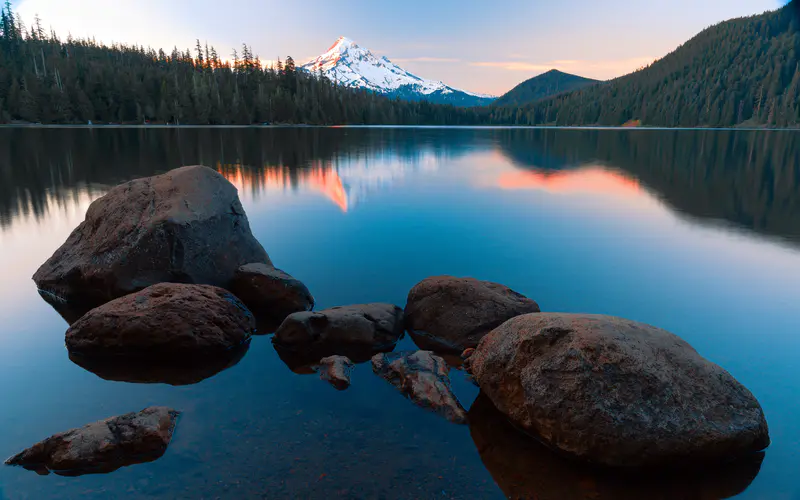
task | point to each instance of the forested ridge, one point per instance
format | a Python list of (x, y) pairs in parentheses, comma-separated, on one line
[(44, 79), (539, 87), (740, 72)]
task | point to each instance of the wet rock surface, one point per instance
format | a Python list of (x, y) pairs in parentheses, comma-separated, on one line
[(339, 330), (103, 446), (525, 469), (336, 371), (163, 321), (616, 392), (184, 226), (448, 314), (270, 293), (424, 378)]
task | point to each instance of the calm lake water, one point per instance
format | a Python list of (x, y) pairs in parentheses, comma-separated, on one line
[(697, 232)]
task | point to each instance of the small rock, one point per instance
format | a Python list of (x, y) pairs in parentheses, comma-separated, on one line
[(423, 377), (447, 314), (103, 446), (336, 370), (184, 226), (162, 321), (616, 392), (374, 327), (467, 353), (270, 293)]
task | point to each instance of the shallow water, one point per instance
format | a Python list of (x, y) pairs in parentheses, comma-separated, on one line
[(697, 232)]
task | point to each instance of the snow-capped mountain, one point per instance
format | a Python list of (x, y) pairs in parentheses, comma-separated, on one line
[(353, 66)]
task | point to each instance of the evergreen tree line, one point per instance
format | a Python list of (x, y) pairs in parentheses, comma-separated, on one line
[(743, 72), (44, 79), (740, 72)]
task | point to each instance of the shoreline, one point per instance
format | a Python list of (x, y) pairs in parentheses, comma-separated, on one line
[(466, 127)]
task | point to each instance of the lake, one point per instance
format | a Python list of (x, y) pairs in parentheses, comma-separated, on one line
[(697, 232)]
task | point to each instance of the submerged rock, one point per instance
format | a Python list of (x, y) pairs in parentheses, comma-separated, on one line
[(616, 392), (423, 377), (270, 293), (364, 327), (167, 320), (336, 370), (103, 446), (524, 468), (450, 314), (185, 226)]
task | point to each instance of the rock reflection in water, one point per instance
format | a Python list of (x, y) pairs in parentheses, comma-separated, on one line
[(304, 362), (171, 372), (70, 312), (525, 469)]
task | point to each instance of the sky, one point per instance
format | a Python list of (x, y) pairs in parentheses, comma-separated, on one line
[(480, 46)]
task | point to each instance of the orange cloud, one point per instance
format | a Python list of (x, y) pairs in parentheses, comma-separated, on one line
[(599, 69)]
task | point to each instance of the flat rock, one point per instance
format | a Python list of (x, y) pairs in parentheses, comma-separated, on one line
[(270, 293), (336, 371), (371, 327), (103, 446), (423, 377), (164, 321), (184, 226), (523, 468), (616, 392), (447, 314)]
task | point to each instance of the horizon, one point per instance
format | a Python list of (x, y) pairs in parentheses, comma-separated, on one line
[(437, 47)]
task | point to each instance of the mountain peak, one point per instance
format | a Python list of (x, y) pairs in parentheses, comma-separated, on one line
[(342, 43), (353, 66)]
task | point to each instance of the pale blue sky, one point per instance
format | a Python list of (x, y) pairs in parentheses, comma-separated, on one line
[(483, 46)]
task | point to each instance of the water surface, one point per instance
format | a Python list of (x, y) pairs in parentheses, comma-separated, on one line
[(697, 232)]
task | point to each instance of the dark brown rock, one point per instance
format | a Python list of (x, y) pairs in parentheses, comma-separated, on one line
[(270, 293), (423, 377), (103, 446), (336, 371), (185, 226), (616, 392), (447, 314), (339, 330), (525, 469), (164, 321)]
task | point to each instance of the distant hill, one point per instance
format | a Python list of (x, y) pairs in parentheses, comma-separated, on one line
[(545, 85), (737, 73)]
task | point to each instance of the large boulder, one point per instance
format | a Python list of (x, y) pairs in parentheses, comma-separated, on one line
[(168, 320), (616, 392), (103, 446), (424, 378), (270, 293), (525, 469), (347, 330), (185, 226), (447, 314)]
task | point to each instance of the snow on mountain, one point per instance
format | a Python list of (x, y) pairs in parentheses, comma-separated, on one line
[(353, 66)]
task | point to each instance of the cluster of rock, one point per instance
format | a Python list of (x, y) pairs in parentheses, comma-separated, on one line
[(172, 271)]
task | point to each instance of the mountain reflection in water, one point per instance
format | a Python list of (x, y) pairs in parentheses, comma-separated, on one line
[(600, 221), (747, 179)]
